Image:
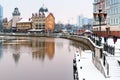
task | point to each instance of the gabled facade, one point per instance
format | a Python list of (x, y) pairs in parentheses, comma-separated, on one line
[(50, 22), (38, 21)]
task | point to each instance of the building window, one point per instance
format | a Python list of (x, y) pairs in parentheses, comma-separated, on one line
[(117, 10), (116, 20), (111, 10), (119, 20), (111, 21), (108, 20), (114, 11), (36, 26), (39, 25)]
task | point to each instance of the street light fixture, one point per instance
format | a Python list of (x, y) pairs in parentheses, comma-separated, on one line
[(100, 17)]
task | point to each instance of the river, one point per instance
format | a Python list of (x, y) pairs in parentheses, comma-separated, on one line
[(37, 58)]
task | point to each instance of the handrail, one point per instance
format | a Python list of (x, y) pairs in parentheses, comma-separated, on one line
[(109, 49)]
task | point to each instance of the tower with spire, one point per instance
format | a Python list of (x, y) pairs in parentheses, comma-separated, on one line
[(16, 18)]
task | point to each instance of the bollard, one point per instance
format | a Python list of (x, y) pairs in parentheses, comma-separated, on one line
[(83, 78), (81, 67)]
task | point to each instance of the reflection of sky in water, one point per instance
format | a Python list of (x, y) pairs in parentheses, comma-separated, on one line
[(37, 59)]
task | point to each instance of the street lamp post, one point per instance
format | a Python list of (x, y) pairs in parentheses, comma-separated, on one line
[(100, 17)]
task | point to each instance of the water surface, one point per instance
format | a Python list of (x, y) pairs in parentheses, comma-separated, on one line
[(35, 58)]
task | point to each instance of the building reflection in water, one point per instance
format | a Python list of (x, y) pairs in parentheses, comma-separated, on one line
[(28, 53), (15, 46), (16, 57), (50, 47), (38, 47), (16, 54)]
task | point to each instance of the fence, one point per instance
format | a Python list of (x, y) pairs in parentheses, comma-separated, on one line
[(109, 49)]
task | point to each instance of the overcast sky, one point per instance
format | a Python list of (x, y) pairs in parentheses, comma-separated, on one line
[(63, 10)]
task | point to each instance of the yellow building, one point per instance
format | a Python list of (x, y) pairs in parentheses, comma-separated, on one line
[(23, 26), (50, 22), (38, 21)]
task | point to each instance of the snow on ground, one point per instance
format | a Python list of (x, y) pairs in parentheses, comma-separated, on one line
[(87, 70)]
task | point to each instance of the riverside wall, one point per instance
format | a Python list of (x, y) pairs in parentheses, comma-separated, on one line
[(97, 51)]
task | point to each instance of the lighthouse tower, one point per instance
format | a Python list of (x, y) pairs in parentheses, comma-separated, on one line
[(16, 18)]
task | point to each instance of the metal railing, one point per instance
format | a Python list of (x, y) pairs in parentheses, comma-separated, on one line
[(109, 49), (95, 39)]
